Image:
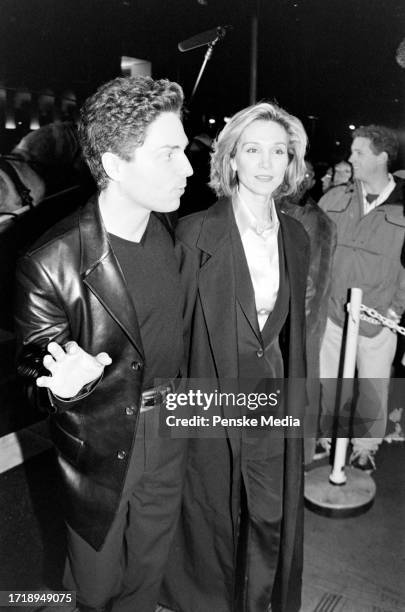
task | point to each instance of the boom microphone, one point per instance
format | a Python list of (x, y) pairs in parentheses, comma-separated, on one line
[(204, 38)]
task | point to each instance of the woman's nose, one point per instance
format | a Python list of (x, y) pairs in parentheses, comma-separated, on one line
[(265, 161)]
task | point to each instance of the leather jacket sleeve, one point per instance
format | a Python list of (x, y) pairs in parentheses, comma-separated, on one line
[(39, 319)]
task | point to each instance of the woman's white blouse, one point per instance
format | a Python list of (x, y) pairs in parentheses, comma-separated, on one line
[(261, 250)]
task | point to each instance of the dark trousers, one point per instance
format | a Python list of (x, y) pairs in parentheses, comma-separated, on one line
[(260, 522), (127, 572)]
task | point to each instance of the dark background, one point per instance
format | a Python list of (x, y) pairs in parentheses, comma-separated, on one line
[(333, 60)]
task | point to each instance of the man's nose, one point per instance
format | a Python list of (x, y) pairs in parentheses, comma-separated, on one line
[(187, 169)]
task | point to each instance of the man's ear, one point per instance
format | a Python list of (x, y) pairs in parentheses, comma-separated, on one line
[(383, 158), (112, 165)]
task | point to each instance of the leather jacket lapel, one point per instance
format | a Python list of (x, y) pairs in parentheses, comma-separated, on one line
[(102, 274)]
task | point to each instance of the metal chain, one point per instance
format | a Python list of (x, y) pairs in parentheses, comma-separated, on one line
[(375, 318)]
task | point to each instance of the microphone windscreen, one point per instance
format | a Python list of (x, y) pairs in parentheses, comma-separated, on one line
[(204, 38)]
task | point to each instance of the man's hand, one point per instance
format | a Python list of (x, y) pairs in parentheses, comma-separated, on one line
[(71, 368)]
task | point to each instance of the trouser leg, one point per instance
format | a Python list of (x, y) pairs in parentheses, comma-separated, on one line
[(374, 361), (126, 573), (329, 362), (153, 515), (260, 527), (96, 575)]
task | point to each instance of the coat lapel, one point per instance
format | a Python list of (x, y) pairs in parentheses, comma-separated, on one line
[(217, 287), (102, 274), (293, 257), (243, 282), (217, 292)]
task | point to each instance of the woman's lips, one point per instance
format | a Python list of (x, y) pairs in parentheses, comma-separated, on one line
[(264, 178)]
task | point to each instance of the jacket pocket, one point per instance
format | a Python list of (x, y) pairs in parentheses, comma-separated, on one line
[(395, 219), (66, 444)]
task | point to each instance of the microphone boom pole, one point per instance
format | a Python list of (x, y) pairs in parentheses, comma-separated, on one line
[(207, 57), (210, 38)]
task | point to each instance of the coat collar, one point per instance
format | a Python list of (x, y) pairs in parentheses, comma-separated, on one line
[(217, 224), (215, 231), (101, 272)]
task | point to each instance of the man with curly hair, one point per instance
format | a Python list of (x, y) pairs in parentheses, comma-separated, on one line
[(370, 222), (99, 319)]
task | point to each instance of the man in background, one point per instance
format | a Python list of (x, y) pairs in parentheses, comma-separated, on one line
[(370, 222)]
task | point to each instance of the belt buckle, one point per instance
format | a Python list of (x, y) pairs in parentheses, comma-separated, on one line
[(148, 401), (155, 397)]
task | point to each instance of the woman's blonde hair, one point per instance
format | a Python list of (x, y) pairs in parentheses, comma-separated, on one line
[(224, 180)]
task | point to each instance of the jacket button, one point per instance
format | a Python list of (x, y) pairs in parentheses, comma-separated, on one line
[(260, 352), (121, 454), (129, 410), (136, 365)]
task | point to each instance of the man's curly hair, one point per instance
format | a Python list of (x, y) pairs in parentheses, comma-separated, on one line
[(115, 118)]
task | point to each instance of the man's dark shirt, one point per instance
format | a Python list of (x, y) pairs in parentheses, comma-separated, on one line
[(151, 273)]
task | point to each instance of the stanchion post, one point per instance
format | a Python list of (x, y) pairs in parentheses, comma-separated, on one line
[(322, 491), (338, 476)]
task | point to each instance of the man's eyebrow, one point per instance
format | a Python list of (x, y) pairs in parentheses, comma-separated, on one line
[(173, 147)]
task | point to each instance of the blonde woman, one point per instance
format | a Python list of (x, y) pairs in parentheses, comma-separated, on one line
[(244, 267)]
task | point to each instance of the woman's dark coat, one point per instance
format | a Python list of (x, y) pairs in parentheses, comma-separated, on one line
[(321, 231), (201, 571)]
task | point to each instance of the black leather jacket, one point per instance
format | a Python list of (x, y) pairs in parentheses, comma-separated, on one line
[(70, 287)]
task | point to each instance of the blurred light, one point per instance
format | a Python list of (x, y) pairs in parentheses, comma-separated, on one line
[(133, 66), (34, 123), (352, 127), (10, 117), (400, 55), (337, 142), (211, 121), (227, 119)]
